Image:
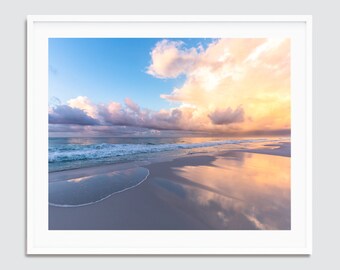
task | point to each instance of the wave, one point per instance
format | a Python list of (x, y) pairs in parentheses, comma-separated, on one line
[(72, 152), (93, 189)]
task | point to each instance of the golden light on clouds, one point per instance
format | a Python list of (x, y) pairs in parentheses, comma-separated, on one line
[(251, 74), (234, 85)]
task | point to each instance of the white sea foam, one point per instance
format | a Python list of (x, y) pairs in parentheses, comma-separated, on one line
[(72, 152)]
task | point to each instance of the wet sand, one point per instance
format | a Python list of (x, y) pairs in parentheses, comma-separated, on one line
[(280, 149), (235, 190)]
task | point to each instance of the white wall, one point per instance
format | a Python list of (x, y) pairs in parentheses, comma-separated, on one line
[(326, 132)]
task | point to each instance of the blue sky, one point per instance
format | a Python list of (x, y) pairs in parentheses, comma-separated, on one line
[(227, 85), (109, 69)]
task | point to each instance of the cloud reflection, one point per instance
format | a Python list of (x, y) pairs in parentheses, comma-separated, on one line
[(243, 191)]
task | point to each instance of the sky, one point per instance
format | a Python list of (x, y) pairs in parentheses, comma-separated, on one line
[(154, 87)]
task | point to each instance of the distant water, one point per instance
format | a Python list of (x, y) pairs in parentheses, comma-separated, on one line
[(71, 153)]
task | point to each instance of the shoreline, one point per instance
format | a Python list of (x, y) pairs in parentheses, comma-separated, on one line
[(281, 149), (187, 193)]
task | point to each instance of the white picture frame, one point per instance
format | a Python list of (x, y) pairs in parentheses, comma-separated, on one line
[(40, 240)]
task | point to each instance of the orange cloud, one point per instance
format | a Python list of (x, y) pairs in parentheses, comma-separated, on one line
[(251, 73), (234, 86)]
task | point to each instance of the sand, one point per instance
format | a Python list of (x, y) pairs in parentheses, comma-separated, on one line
[(280, 149), (234, 190)]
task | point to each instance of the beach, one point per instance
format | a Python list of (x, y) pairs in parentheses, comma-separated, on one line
[(169, 134), (239, 188)]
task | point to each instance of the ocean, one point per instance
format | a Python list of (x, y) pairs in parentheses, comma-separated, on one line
[(72, 153)]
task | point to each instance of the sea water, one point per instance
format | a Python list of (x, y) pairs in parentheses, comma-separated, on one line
[(72, 153)]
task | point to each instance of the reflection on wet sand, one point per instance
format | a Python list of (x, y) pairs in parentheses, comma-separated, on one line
[(234, 191)]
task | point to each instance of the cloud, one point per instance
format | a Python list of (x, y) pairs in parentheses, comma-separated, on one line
[(84, 103), (115, 114), (64, 114), (218, 79), (54, 101), (132, 115), (227, 116), (254, 72), (127, 114), (132, 105), (170, 59)]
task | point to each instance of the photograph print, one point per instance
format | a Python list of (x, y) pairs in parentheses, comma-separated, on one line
[(169, 134)]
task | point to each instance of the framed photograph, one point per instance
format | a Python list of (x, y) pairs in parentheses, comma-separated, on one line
[(169, 135)]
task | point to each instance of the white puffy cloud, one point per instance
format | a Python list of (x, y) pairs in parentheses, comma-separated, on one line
[(233, 86), (170, 59), (85, 104)]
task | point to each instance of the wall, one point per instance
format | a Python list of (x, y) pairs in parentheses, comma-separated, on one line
[(326, 111)]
